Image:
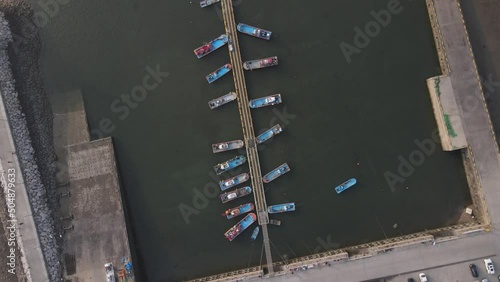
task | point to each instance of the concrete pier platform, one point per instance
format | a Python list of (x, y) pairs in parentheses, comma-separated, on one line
[(92, 210)]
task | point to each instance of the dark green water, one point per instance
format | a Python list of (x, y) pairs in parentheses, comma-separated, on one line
[(368, 112)]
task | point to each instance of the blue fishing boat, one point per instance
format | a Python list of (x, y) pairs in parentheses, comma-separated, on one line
[(218, 73), (275, 173), (268, 134), (217, 102), (346, 185), (235, 194), (233, 181), (230, 164), (206, 3), (239, 210), (255, 233), (236, 230), (226, 146), (266, 101), (288, 207), (254, 31), (260, 63), (211, 46)]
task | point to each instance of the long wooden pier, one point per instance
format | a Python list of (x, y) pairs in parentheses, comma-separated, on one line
[(248, 131)]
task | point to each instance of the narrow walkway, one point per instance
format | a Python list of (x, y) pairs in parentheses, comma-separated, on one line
[(248, 131)]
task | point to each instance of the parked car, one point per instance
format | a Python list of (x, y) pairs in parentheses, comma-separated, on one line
[(489, 266), (485, 280), (473, 270), (422, 277)]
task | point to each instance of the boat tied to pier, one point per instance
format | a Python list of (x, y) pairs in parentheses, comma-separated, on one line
[(254, 31), (217, 102), (275, 173), (260, 63), (229, 164), (346, 185), (268, 134), (266, 101), (233, 181), (211, 46), (227, 146), (239, 227), (239, 210), (255, 233), (288, 207), (275, 222), (206, 3), (218, 73), (235, 194)]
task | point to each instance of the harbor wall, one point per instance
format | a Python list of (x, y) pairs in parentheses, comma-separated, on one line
[(29, 121)]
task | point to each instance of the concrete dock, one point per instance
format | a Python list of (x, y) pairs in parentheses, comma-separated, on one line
[(92, 210)]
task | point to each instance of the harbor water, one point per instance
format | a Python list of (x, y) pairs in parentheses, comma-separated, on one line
[(362, 113)]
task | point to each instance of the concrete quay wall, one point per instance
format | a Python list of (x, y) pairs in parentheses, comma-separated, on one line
[(36, 231)]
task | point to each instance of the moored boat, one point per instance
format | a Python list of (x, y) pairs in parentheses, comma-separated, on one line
[(260, 63), (239, 227), (235, 194), (226, 146), (268, 134), (275, 222), (233, 181), (255, 233), (218, 73), (229, 164), (346, 185), (217, 102), (206, 3), (211, 46), (239, 210), (288, 207), (275, 173), (254, 31), (266, 101)]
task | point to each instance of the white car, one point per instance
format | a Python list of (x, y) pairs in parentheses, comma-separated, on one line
[(489, 266), (422, 277)]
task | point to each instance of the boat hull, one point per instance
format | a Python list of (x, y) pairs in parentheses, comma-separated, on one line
[(260, 63), (266, 101), (275, 173), (268, 134), (212, 46), (346, 185), (275, 222), (218, 73), (239, 227), (217, 102), (227, 146), (235, 194), (288, 207), (239, 210), (230, 164), (206, 3), (233, 181), (255, 233), (254, 31)]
